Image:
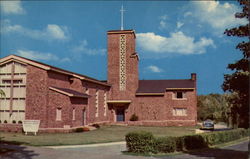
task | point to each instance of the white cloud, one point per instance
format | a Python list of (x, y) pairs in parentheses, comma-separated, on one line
[(154, 69), (12, 7), (163, 17), (162, 23), (83, 48), (179, 25), (187, 14), (41, 56), (217, 14), (51, 32), (56, 32), (177, 43)]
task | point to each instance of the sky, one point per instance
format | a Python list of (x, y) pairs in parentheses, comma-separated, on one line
[(173, 38)]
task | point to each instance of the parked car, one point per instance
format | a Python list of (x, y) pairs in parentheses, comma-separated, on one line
[(207, 125)]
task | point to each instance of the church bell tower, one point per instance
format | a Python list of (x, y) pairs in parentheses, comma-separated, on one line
[(122, 64)]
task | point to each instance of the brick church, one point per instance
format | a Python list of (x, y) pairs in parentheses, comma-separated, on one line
[(63, 100)]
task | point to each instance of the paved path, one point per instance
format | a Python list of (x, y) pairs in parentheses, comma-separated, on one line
[(113, 151)]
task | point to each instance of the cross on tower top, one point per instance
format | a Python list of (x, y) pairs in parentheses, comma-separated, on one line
[(122, 12)]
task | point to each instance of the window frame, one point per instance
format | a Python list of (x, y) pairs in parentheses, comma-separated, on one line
[(58, 114), (183, 112), (175, 94)]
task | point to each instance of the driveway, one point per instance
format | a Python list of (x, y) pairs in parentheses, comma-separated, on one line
[(113, 151)]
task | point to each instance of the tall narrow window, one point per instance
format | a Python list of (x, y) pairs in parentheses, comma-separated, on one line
[(105, 103), (96, 103), (122, 62), (74, 114), (58, 114)]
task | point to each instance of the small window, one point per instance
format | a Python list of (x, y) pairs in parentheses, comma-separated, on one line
[(6, 81), (58, 114), (180, 112), (179, 95), (17, 81)]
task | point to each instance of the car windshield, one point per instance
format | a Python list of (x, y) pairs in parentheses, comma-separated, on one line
[(208, 124)]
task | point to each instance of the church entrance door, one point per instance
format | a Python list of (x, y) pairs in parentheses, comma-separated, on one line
[(120, 115)]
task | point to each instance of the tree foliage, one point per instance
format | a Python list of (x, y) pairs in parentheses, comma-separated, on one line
[(213, 106), (237, 83)]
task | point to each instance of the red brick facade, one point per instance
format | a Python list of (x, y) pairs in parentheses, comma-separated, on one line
[(77, 100)]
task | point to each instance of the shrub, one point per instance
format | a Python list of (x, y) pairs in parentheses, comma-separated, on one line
[(144, 142), (165, 144), (85, 129), (194, 142), (79, 130), (96, 126), (179, 142), (134, 117), (140, 142)]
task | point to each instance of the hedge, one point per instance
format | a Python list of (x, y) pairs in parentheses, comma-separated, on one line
[(145, 142), (140, 142)]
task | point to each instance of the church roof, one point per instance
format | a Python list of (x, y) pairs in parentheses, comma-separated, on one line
[(160, 86), (49, 67), (69, 92)]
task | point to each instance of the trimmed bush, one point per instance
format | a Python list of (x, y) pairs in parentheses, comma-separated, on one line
[(85, 129), (165, 144), (79, 130), (96, 126), (134, 117), (180, 145), (194, 142), (140, 142), (225, 136), (144, 142)]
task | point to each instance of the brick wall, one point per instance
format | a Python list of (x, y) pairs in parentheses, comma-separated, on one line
[(114, 65), (36, 95)]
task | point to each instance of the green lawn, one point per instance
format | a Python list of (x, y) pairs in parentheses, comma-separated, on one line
[(102, 135)]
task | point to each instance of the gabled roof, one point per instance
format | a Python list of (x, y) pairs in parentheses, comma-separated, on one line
[(160, 86), (48, 67), (69, 92)]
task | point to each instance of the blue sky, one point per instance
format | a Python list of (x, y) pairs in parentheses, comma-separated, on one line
[(174, 38)]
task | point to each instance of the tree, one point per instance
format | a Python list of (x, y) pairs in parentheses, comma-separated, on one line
[(213, 106), (237, 83)]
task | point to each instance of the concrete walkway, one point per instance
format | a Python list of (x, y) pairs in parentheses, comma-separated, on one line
[(88, 145)]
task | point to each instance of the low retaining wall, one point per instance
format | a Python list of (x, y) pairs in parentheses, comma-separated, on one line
[(11, 127)]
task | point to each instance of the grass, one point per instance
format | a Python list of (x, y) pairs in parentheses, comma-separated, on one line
[(103, 135)]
